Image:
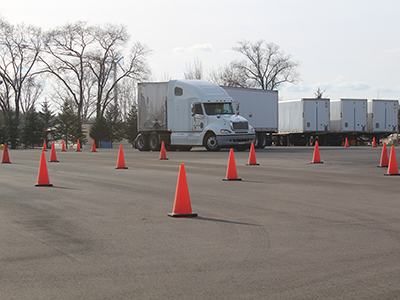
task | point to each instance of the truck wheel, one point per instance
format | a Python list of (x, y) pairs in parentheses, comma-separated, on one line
[(256, 140), (142, 143), (283, 140), (262, 140), (154, 142), (268, 141), (211, 143)]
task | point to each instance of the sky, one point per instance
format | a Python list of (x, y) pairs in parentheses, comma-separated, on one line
[(347, 48)]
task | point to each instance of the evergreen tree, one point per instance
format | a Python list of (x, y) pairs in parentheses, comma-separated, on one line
[(67, 125), (115, 124), (11, 128), (46, 116), (99, 131), (32, 129), (131, 127), (2, 132)]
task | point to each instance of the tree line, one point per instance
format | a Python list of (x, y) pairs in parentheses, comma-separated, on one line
[(89, 70), (90, 73)]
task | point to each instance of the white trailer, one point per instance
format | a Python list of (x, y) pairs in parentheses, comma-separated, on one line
[(260, 107), (187, 113), (348, 119), (348, 116), (382, 116), (302, 121)]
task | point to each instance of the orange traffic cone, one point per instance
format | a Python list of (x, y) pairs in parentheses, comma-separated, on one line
[(346, 143), (182, 207), (78, 146), (252, 157), (373, 142), (163, 155), (231, 173), (392, 168), (43, 176), (121, 159), (93, 147), (44, 145), (6, 158), (384, 157), (53, 157), (63, 147), (316, 158)]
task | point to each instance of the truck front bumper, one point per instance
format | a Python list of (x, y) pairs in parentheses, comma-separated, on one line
[(234, 140)]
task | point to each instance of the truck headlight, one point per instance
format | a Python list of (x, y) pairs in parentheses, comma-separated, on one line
[(225, 131)]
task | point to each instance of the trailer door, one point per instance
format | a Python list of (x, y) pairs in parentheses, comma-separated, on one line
[(316, 115), (384, 116), (310, 115), (360, 116)]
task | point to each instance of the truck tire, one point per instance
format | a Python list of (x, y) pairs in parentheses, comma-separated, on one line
[(283, 140), (211, 143), (142, 142), (262, 140), (268, 141), (154, 142)]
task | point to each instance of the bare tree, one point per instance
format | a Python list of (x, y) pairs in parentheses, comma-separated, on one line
[(228, 75), (319, 94), (109, 66), (265, 65), (67, 49), (31, 91), (20, 47), (126, 97), (194, 71), (89, 62), (165, 77)]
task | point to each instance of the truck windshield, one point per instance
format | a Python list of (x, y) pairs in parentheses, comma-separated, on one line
[(218, 108)]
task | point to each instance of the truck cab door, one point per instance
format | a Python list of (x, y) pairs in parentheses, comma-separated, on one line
[(197, 117)]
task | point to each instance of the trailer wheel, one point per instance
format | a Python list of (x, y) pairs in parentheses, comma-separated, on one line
[(154, 142), (262, 140), (142, 143), (211, 143), (268, 140), (283, 140)]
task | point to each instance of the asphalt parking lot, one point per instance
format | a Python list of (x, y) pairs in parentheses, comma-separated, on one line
[(288, 230)]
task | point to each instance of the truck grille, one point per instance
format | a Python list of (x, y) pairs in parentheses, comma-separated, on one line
[(240, 126)]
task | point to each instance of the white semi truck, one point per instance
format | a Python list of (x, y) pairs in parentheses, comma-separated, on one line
[(188, 113), (260, 107)]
